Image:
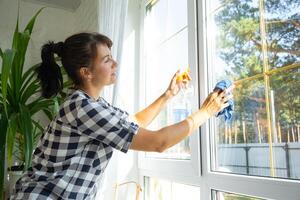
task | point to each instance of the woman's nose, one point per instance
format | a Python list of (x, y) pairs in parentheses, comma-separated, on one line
[(115, 64)]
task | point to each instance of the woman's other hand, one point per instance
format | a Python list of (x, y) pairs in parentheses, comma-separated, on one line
[(217, 101)]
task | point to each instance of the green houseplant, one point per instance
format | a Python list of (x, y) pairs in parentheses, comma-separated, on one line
[(20, 100)]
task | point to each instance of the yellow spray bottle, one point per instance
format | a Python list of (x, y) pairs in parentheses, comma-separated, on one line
[(182, 104)]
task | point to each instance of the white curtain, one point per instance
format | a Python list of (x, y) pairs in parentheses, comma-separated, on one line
[(112, 16)]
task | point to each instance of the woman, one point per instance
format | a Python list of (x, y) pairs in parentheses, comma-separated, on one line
[(77, 145)]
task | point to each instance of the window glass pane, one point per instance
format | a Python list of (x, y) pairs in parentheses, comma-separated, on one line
[(155, 24), (262, 138), (285, 110), (164, 19), (160, 189), (282, 19), (161, 65), (234, 32), (162, 59), (179, 107), (218, 195), (177, 16), (240, 141)]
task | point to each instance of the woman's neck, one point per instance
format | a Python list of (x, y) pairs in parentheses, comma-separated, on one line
[(91, 91)]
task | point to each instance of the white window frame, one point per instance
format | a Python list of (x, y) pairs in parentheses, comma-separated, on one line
[(190, 167), (194, 173)]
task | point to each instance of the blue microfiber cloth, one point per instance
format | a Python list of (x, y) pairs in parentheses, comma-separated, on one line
[(227, 112)]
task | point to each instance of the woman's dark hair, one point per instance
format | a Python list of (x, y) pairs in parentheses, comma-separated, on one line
[(76, 51)]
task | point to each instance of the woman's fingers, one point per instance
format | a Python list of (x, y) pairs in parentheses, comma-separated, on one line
[(218, 100), (225, 105), (214, 94), (223, 101), (227, 98), (175, 76), (185, 83), (230, 89), (222, 94), (226, 91)]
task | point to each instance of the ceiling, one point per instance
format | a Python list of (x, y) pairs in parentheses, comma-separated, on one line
[(70, 5)]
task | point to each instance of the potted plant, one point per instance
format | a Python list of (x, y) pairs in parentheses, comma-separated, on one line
[(20, 100)]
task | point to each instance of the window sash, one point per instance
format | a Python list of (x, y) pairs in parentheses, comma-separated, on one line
[(160, 165), (208, 180)]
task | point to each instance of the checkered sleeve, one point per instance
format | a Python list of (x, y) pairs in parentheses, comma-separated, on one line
[(105, 123)]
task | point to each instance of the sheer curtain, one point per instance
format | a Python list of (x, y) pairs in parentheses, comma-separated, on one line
[(112, 18)]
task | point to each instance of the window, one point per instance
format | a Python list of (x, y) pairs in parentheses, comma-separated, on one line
[(160, 189), (218, 195), (166, 33), (169, 35), (255, 43)]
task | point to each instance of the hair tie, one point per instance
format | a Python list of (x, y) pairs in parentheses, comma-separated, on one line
[(58, 48)]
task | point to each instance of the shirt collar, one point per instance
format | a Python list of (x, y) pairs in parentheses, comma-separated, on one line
[(87, 95)]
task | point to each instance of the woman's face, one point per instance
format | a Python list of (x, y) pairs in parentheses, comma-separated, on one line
[(104, 69)]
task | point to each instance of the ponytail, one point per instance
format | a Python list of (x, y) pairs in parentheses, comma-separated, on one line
[(49, 71)]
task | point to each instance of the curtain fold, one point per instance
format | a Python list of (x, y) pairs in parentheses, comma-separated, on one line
[(112, 17)]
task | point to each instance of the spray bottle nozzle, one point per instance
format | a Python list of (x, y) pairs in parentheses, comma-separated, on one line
[(184, 75)]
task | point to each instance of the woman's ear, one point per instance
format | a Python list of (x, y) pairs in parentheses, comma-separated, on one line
[(85, 73)]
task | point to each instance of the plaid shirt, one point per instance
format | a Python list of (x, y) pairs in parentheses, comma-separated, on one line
[(75, 149)]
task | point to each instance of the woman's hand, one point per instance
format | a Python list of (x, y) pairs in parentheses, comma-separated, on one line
[(216, 101), (175, 85)]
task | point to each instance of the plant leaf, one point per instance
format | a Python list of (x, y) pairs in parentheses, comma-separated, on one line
[(30, 24), (1, 53), (40, 105), (12, 129), (3, 128), (20, 44), (7, 60), (30, 91), (26, 129), (28, 75), (37, 134)]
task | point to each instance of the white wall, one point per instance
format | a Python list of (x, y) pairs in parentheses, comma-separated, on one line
[(86, 16), (52, 24)]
